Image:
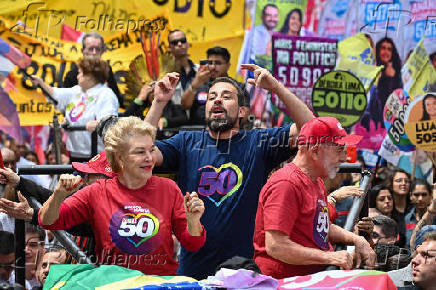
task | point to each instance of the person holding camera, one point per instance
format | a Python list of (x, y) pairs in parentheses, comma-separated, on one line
[(194, 99)]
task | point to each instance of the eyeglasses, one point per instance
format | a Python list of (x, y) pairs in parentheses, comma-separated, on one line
[(176, 41), (398, 180)]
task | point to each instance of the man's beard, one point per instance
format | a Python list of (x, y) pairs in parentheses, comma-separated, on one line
[(221, 124)]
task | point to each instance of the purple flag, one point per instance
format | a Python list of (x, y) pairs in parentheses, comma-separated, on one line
[(9, 121)]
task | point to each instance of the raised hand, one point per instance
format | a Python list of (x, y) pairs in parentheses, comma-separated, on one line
[(262, 77), (194, 207), (365, 225), (165, 87), (201, 77), (18, 210), (145, 91), (67, 185)]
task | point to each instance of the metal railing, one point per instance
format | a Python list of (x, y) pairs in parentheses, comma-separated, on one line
[(61, 236), (356, 207), (80, 256)]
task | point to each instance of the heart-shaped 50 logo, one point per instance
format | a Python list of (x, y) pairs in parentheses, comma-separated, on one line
[(135, 233), (217, 184)]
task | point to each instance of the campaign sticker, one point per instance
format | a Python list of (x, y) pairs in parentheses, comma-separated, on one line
[(421, 121), (393, 115), (341, 95)]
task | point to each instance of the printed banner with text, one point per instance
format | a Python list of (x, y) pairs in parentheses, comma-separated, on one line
[(299, 61), (35, 29)]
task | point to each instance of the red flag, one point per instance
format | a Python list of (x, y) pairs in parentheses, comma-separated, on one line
[(38, 139), (70, 34)]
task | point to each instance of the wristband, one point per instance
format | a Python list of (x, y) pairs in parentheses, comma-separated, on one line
[(332, 199), (138, 102)]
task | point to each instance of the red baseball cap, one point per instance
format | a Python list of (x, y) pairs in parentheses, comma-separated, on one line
[(97, 164), (326, 129)]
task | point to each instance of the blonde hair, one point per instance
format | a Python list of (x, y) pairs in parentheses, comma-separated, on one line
[(117, 137)]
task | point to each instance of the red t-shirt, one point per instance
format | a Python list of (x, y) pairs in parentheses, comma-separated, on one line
[(292, 203), (132, 228)]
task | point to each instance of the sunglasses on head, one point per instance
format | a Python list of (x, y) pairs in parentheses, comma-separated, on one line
[(176, 41)]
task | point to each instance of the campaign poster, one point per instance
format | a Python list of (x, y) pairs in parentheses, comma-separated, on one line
[(393, 116), (383, 18), (271, 16), (339, 94), (422, 25), (418, 74), (299, 61), (421, 121), (333, 19)]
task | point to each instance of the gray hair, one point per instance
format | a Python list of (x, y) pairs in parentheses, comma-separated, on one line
[(95, 35)]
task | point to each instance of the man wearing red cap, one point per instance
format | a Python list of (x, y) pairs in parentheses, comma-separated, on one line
[(293, 231)]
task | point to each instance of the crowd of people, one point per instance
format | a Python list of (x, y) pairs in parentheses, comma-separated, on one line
[(269, 195)]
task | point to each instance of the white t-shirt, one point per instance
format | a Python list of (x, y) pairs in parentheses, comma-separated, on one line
[(80, 108), (7, 223)]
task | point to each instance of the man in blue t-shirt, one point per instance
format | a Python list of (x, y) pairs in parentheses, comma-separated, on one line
[(227, 166)]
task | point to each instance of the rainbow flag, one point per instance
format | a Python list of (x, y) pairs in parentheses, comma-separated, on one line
[(9, 120), (110, 277)]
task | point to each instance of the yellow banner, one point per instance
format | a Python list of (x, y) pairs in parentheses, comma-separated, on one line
[(201, 20), (356, 56), (417, 73), (39, 34)]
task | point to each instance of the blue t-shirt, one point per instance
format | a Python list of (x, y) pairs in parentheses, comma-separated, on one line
[(228, 176)]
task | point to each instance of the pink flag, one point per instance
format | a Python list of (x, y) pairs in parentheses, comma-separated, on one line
[(15, 55)]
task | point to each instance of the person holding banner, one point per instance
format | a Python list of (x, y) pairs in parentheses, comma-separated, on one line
[(226, 165), (84, 104), (293, 231)]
